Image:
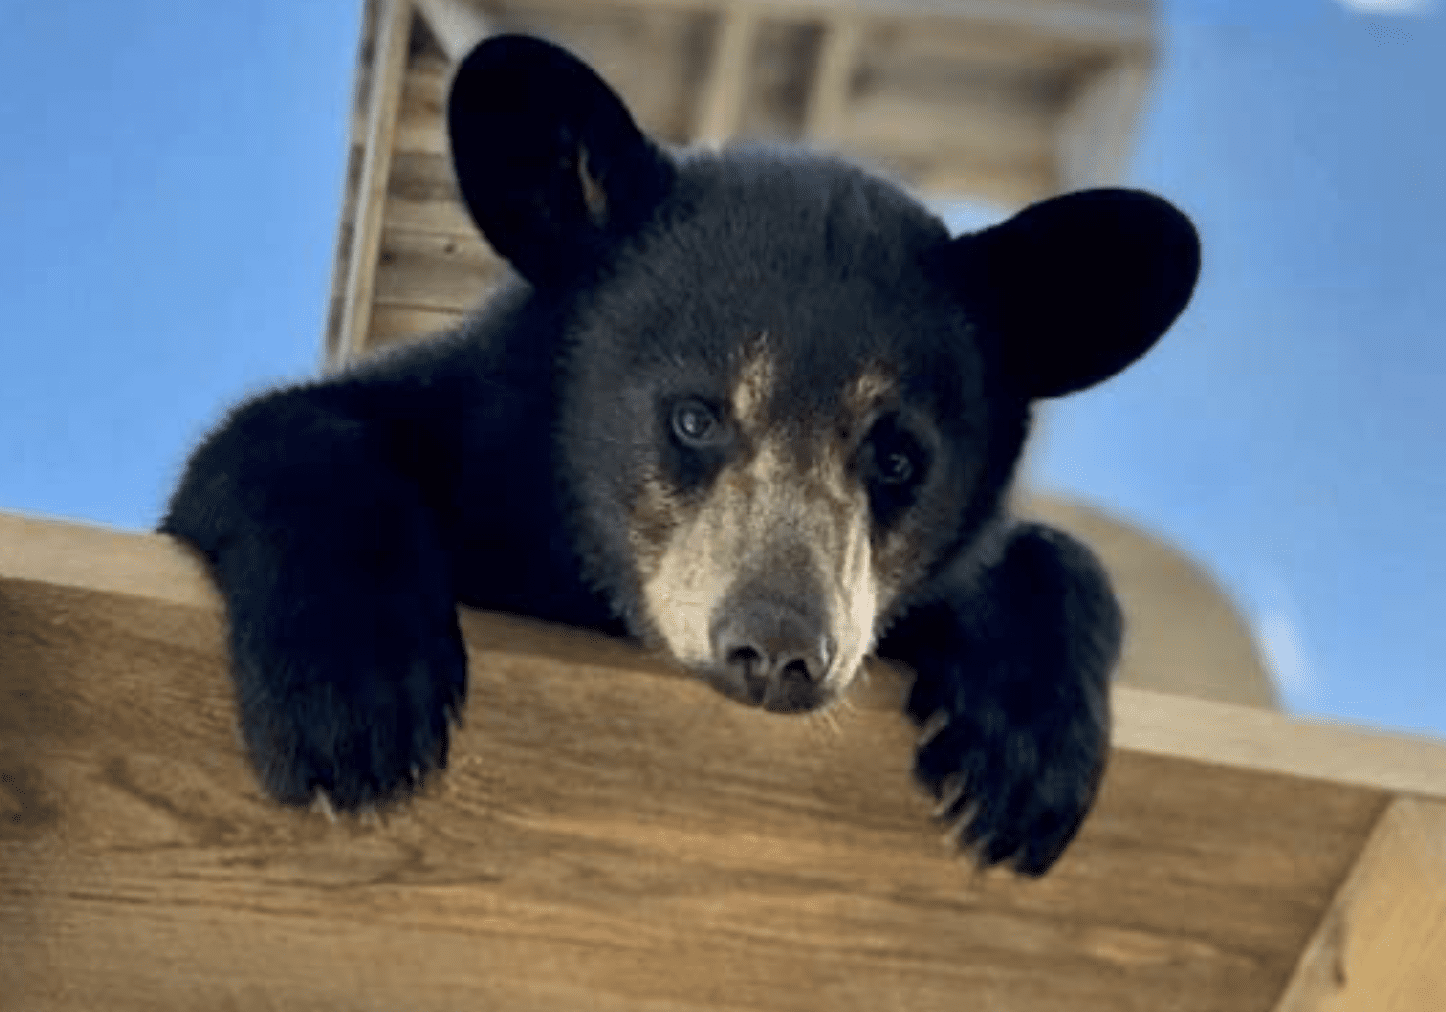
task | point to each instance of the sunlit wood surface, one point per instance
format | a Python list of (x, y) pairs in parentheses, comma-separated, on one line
[(614, 836)]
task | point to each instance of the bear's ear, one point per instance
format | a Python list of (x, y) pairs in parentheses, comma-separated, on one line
[(550, 164), (1077, 287)]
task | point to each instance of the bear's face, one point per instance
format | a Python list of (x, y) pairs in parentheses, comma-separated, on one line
[(790, 401), (776, 446), (760, 537)]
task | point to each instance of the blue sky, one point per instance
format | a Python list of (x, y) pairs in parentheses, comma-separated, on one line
[(1288, 432), (172, 183)]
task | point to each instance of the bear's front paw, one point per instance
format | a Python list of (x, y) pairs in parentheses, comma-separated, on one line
[(1011, 789), (1012, 690), (361, 715)]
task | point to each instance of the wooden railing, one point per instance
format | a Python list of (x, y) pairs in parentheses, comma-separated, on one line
[(613, 836)]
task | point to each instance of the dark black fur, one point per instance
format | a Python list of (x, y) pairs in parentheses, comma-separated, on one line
[(495, 466)]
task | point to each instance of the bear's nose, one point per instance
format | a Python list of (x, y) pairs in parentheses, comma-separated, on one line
[(775, 652)]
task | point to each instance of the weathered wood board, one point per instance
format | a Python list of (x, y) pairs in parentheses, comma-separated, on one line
[(613, 836)]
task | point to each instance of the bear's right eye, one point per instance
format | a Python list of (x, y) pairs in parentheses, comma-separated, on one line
[(696, 424), (894, 465)]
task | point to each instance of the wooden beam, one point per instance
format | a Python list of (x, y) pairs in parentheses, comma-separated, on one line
[(1382, 945), (995, 124), (609, 836), (613, 835), (1096, 131), (726, 88), (100, 560), (1248, 737), (1075, 20), (456, 24), (391, 324), (829, 94), (1001, 186), (393, 36), (428, 270)]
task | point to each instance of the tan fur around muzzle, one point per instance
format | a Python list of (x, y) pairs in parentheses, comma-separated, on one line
[(764, 523)]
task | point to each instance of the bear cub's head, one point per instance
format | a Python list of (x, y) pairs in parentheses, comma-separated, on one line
[(790, 404)]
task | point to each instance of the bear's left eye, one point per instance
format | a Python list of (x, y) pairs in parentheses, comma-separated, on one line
[(895, 458), (895, 469), (696, 424)]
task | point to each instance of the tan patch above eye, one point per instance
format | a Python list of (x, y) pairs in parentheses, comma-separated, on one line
[(868, 389), (593, 194), (753, 384)]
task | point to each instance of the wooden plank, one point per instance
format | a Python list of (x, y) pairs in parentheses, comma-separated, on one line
[(457, 26), (101, 560), (1000, 127), (140, 870), (726, 85), (420, 116), (1002, 185), (832, 79), (422, 197), (1114, 22), (610, 835), (1247, 737), (426, 270), (780, 71), (968, 48), (391, 324), (392, 41), (1382, 945), (356, 150), (332, 336), (965, 172), (92, 558), (1097, 129)]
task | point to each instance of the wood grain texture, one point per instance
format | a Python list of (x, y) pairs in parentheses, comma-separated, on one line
[(433, 270), (423, 197), (391, 324), (833, 79), (1382, 945), (611, 835), (384, 98), (726, 84), (455, 24), (356, 156), (1127, 22)]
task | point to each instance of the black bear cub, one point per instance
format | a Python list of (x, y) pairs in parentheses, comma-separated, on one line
[(755, 408)]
